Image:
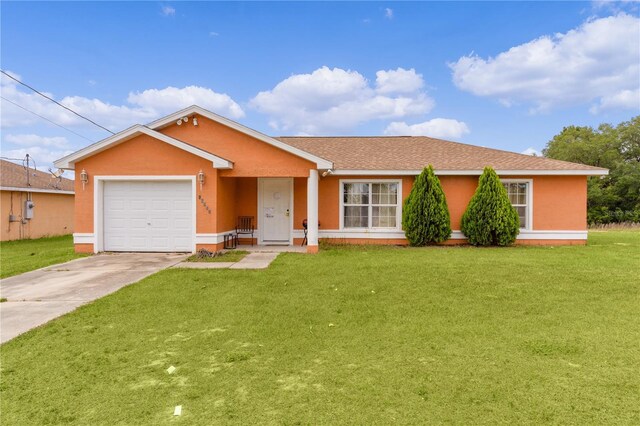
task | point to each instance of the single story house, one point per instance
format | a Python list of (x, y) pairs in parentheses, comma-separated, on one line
[(181, 183), (33, 204)]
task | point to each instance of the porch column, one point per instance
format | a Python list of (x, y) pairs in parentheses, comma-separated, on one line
[(312, 211)]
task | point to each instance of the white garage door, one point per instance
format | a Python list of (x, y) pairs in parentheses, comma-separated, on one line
[(154, 216)]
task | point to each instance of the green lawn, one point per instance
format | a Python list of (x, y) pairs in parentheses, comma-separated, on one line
[(350, 336), (21, 256)]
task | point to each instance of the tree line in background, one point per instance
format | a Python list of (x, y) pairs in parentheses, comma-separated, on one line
[(614, 198)]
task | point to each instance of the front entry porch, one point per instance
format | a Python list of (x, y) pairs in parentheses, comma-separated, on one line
[(275, 206)]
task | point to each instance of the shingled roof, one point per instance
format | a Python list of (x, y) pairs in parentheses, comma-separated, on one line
[(412, 153), (15, 176)]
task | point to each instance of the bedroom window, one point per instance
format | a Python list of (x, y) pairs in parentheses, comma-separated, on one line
[(519, 192), (370, 204)]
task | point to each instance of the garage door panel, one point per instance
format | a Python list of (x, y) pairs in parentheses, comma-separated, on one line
[(161, 205), (117, 204), (182, 224), (160, 224), (160, 242), (136, 244), (118, 224), (148, 216), (181, 205)]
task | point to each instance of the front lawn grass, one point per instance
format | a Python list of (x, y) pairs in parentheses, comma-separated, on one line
[(21, 256), (365, 335)]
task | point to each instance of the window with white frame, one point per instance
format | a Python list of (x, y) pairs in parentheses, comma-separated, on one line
[(519, 195), (370, 204)]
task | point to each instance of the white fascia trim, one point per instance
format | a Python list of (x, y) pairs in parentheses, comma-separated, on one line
[(84, 238), (455, 235), (321, 163), (69, 161), (347, 172), (44, 191)]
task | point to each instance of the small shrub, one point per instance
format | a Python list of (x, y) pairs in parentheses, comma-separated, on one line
[(425, 216), (237, 356), (490, 219), (204, 253)]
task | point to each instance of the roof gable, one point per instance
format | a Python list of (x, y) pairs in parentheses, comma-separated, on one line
[(320, 162), (130, 133)]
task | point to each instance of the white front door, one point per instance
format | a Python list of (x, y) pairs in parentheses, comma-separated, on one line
[(275, 216), (152, 216)]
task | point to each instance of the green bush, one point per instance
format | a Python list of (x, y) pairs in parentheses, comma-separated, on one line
[(425, 216), (490, 219)]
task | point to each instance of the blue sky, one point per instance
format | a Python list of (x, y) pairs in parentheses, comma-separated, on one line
[(507, 75)]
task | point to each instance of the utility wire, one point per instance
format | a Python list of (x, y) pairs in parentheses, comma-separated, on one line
[(54, 101), (45, 118)]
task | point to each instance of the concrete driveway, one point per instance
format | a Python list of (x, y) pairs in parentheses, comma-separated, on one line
[(37, 297)]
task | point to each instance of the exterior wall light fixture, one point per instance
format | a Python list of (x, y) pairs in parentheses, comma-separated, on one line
[(201, 178), (84, 178)]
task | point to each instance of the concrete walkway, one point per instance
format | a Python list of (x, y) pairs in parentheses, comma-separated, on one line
[(256, 260), (37, 297)]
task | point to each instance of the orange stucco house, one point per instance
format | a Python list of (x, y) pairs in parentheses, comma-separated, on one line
[(180, 184)]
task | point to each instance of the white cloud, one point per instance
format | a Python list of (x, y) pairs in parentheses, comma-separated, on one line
[(43, 156), (532, 151), (398, 81), (213, 34), (142, 107), (625, 99), (171, 99), (444, 128), (36, 140), (600, 59), (388, 13), (334, 100), (168, 11)]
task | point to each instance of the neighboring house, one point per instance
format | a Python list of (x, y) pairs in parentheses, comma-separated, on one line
[(181, 182), (34, 204)]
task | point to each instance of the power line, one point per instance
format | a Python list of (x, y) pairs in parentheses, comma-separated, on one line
[(45, 118), (54, 101)]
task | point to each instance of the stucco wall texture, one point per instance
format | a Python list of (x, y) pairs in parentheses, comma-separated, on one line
[(53, 215), (559, 202)]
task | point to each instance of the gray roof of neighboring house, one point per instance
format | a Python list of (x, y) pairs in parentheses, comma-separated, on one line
[(14, 175)]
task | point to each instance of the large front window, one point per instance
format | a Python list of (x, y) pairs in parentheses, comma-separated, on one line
[(370, 204), (519, 194)]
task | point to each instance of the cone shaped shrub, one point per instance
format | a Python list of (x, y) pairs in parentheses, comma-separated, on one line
[(425, 216), (490, 219)]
